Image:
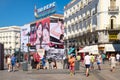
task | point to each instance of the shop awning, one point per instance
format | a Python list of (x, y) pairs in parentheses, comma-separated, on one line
[(85, 49), (94, 49), (112, 47), (91, 49)]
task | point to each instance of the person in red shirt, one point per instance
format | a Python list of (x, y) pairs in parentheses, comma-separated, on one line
[(36, 57)]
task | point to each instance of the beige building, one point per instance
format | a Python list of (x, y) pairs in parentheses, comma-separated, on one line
[(93, 23), (10, 37)]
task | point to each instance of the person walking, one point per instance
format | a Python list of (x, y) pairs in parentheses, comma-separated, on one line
[(72, 65), (118, 58), (9, 63), (44, 62), (92, 60), (36, 58), (103, 58), (99, 60), (87, 63), (13, 62), (112, 62)]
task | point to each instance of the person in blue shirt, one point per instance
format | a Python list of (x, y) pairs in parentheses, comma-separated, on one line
[(44, 62), (13, 62)]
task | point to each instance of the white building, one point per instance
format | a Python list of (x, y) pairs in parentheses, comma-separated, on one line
[(92, 22), (10, 37)]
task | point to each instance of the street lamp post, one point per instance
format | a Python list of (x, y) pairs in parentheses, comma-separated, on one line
[(28, 44), (22, 47)]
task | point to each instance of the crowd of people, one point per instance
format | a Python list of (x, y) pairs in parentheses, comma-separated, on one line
[(39, 62), (49, 63), (90, 60)]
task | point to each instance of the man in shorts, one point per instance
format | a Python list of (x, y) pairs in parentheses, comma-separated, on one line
[(87, 63), (13, 62)]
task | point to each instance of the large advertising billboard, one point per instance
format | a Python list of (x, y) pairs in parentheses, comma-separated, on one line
[(43, 34), (24, 37), (57, 33)]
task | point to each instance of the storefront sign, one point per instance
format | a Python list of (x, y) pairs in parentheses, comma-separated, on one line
[(113, 37), (101, 48)]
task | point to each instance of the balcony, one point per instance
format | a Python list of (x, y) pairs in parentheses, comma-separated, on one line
[(115, 27), (113, 10)]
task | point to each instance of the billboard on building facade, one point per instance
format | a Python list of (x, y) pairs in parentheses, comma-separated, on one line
[(32, 34), (43, 34), (24, 37), (57, 32)]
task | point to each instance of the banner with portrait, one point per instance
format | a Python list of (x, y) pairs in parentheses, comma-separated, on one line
[(32, 34), (43, 34)]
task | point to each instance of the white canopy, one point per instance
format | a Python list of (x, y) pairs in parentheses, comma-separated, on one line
[(94, 49), (85, 49), (91, 49)]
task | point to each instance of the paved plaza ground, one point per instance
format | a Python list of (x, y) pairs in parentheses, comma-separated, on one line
[(62, 74)]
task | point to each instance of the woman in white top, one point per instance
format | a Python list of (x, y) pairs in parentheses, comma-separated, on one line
[(113, 62), (9, 63)]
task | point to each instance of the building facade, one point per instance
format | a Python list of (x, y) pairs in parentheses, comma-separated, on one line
[(91, 23), (10, 37)]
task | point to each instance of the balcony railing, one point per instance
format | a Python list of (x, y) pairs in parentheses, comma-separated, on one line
[(113, 10), (115, 27)]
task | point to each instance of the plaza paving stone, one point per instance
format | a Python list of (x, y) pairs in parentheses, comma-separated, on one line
[(62, 74)]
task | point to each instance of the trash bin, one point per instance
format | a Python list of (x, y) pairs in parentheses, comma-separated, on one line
[(25, 66), (77, 65)]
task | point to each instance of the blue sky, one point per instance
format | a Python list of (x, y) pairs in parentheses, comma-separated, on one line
[(20, 12)]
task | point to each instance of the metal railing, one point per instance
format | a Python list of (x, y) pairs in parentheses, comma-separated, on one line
[(115, 27)]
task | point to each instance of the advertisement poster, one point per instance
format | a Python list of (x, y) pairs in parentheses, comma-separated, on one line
[(43, 34), (57, 32), (32, 34), (24, 38), (56, 54)]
